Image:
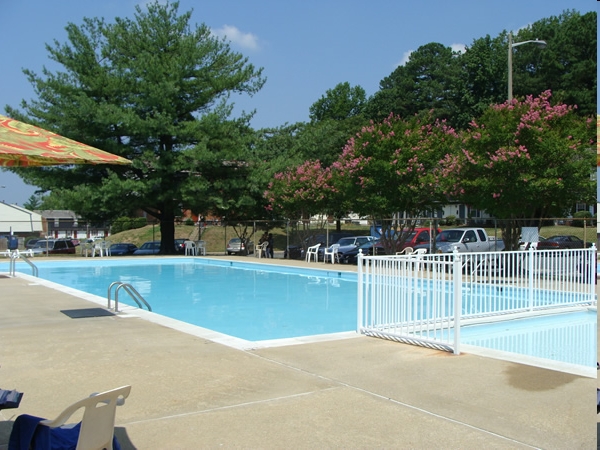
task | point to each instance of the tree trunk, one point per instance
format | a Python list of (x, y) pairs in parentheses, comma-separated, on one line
[(167, 233)]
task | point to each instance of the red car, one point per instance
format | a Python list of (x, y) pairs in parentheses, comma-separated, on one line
[(562, 241), (419, 236)]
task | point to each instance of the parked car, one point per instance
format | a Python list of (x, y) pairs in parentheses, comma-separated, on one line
[(235, 246), (368, 249), (469, 240), (31, 242), (180, 245), (122, 248), (346, 244), (54, 247), (562, 242), (419, 236), (148, 248)]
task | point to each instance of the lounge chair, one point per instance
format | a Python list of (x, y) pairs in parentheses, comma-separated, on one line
[(95, 431)]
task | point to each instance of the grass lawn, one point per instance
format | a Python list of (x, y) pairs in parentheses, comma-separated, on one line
[(216, 237)]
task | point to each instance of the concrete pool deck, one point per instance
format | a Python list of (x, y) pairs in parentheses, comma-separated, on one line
[(190, 392)]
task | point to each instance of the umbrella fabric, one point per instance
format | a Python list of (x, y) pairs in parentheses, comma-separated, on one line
[(23, 145)]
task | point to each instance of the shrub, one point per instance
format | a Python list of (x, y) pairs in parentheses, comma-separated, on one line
[(579, 216), (450, 221)]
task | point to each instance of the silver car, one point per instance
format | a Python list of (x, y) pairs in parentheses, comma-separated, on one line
[(235, 246)]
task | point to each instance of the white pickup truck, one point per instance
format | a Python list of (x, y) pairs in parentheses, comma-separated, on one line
[(465, 240)]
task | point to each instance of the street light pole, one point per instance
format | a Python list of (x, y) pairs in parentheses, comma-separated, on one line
[(511, 45)]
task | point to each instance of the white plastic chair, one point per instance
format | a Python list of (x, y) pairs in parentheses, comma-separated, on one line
[(201, 248), (106, 248), (97, 247), (331, 253), (406, 251), (262, 249), (417, 257), (310, 251), (98, 423), (87, 248), (190, 248)]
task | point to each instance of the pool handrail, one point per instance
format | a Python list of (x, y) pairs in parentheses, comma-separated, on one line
[(16, 254), (135, 295)]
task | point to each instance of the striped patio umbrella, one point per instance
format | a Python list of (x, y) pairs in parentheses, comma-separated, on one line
[(23, 145)]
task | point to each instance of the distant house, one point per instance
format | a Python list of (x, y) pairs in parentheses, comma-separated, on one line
[(19, 221), (62, 223)]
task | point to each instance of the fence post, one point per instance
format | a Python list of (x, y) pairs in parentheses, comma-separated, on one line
[(530, 266), (457, 281), (592, 270), (360, 299)]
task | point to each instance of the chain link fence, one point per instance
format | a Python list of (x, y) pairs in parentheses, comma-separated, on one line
[(293, 236)]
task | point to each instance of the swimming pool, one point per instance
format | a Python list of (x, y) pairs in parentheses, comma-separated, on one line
[(247, 301), (257, 302)]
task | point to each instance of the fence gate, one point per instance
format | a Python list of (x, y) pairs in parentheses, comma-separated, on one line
[(424, 299)]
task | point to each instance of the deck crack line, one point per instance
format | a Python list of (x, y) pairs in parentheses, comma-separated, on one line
[(222, 408), (398, 402)]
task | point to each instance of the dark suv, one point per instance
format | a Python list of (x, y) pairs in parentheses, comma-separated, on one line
[(54, 247)]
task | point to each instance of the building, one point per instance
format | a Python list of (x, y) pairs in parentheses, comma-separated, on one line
[(19, 221), (62, 223)]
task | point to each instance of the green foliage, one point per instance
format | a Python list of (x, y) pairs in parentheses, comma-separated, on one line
[(154, 90), (450, 221), (339, 103), (578, 219), (33, 202), (127, 223), (428, 82), (461, 87)]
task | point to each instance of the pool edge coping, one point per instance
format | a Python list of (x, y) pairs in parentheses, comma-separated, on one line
[(244, 345)]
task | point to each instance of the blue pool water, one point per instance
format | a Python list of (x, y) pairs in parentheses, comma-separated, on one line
[(260, 302), (235, 300), (569, 338)]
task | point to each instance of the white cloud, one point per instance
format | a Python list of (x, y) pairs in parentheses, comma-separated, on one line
[(231, 33), (405, 58), (458, 48)]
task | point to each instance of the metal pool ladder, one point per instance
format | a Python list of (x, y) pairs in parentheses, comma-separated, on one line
[(12, 266), (135, 295)]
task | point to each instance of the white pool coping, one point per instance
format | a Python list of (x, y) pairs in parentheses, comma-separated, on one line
[(126, 311)]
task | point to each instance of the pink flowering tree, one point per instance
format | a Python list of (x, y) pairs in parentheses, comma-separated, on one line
[(302, 192), (388, 172), (522, 160)]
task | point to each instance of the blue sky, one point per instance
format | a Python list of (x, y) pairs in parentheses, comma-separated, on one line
[(305, 47)]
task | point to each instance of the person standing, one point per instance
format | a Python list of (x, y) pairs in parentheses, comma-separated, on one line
[(270, 252)]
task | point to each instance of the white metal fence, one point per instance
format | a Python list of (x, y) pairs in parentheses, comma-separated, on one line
[(424, 299)]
